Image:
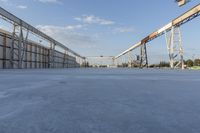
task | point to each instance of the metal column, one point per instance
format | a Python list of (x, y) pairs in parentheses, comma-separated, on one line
[(52, 54), (143, 56), (4, 51), (12, 47), (175, 48), (19, 42), (64, 59)]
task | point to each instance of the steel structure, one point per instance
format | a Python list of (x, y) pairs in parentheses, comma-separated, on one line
[(174, 24), (143, 56), (20, 28), (174, 47)]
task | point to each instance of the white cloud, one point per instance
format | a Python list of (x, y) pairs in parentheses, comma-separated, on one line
[(3, 0), (49, 1), (68, 35), (22, 7), (5, 27), (124, 30), (73, 27), (12, 4), (91, 19), (6, 2), (68, 27)]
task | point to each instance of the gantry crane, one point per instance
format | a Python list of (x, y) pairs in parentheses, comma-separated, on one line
[(173, 39)]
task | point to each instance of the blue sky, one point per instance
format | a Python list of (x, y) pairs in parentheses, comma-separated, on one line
[(107, 27)]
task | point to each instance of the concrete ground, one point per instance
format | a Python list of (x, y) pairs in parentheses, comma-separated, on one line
[(99, 101)]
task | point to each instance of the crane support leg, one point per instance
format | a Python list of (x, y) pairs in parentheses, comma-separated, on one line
[(175, 48), (143, 56), (130, 62)]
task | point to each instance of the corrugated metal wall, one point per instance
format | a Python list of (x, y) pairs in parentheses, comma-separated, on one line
[(36, 56)]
